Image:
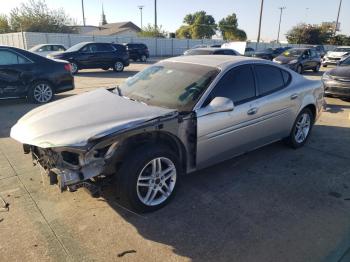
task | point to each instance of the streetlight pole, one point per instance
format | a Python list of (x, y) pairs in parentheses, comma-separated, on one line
[(141, 7), (82, 7), (279, 24), (155, 15), (261, 11), (336, 23)]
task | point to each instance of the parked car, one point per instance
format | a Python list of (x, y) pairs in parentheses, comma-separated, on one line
[(25, 74), (270, 53), (175, 117), (319, 49), (138, 51), (249, 51), (333, 57), (46, 49), (300, 59), (95, 55), (211, 51), (337, 80), (215, 45)]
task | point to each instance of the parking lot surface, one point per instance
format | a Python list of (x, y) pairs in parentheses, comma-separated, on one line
[(273, 204)]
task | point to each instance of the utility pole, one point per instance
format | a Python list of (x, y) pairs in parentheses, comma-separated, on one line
[(82, 7), (279, 24), (336, 23), (155, 15), (261, 11), (141, 7)]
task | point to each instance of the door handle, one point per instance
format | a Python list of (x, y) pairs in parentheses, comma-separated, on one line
[(252, 111), (294, 96)]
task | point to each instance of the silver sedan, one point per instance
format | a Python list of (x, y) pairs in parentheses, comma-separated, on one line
[(177, 116)]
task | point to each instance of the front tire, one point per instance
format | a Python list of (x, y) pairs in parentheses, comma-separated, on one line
[(118, 66), (301, 129), (300, 69), (148, 179), (41, 92), (317, 68)]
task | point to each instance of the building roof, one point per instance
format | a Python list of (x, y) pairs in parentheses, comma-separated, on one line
[(115, 28)]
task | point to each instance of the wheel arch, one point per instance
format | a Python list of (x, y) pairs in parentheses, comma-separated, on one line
[(130, 144)]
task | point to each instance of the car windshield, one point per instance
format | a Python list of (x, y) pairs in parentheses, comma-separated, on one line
[(268, 50), (76, 47), (293, 52), (342, 49), (199, 52), (170, 84)]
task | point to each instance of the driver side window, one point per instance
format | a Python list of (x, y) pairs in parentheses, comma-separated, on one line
[(237, 84)]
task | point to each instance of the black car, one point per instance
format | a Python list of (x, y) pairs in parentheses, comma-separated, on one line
[(337, 80), (300, 59), (25, 74), (270, 53), (95, 55), (137, 51), (211, 51)]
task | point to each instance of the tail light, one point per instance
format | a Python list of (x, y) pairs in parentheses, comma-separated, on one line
[(68, 67)]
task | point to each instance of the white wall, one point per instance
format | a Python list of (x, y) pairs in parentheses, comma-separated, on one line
[(157, 46)]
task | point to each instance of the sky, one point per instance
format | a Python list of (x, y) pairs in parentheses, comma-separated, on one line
[(171, 13)]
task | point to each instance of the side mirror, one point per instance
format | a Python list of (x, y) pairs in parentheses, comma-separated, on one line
[(217, 105)]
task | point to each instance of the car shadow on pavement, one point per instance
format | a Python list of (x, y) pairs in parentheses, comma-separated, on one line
[(334, 108), (268, 205)]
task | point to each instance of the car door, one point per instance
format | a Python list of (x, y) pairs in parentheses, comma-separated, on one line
[(315, 58), (225, 134), (306, 59), (277, 103), (105, 55), (15, 71), (86, 57)]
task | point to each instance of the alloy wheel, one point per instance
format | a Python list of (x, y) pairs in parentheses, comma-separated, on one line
[(42, 93), (143, 58), (156, 181), (74, 68), (119, 66), (303, 127)]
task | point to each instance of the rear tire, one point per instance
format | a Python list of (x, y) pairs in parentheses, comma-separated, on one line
[(143, 58), (40, 93), (144, 184), (301, 129)]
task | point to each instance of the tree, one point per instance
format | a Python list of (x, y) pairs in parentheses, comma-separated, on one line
[(309, 34), (340, 40), (229, 29), (4, 25), (151, 31), (197, 25), (35, 16)]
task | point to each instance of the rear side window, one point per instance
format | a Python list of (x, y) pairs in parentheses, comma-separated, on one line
[(9, 58), (104, 48), (286, 77), (269, 79), (237, 84), (58, 48), (229, 52)]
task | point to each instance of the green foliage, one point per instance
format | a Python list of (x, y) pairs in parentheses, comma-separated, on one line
[(340, 40), (197, 25), (309, 34), (4, 25), (229, 29), (35, 16), (151, 31)]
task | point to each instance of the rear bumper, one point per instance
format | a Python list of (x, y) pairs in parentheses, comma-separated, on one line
[(64, 87)]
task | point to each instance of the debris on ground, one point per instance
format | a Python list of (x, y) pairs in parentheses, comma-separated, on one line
[(1, 219), (4, 207), (126, 252)]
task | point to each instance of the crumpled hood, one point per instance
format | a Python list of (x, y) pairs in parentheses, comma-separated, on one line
[(74, 120), (336, 54)]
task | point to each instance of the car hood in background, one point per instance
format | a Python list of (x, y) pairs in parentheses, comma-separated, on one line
[(285, 60), (336, 54), (340, 72), (76, 120)]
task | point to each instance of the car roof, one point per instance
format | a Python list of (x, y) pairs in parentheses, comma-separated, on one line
[(211, 48), (220, 61)]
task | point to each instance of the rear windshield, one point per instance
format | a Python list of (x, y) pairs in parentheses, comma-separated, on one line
[(293, 52)]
